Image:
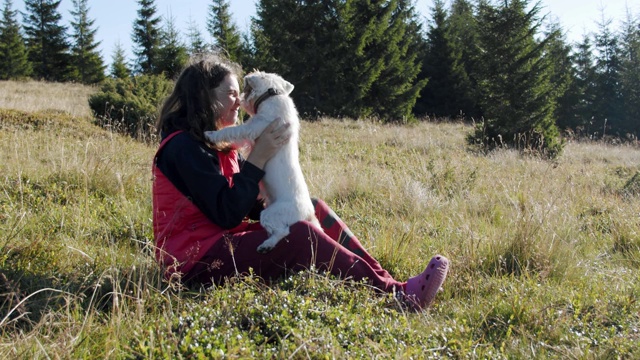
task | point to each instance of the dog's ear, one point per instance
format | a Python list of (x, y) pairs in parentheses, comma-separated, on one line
[(248, 84), (287, 87)]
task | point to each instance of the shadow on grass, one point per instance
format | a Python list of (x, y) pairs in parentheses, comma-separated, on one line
[(26, 298)]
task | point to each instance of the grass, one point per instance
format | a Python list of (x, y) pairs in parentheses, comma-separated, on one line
[(34, 96), (545, 255)]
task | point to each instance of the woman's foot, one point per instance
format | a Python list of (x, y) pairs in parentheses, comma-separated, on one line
[(421, 290)]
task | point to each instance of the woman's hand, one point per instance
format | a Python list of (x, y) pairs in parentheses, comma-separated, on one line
[(269, 142)]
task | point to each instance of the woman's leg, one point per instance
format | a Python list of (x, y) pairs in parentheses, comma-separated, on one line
[(420, 289), (338, 230), (335, 250), (303, 247)]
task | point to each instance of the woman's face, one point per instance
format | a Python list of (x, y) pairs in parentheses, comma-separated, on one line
[(228, 94)]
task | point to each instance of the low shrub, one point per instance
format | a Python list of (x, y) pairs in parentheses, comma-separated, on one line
[(130, 105)]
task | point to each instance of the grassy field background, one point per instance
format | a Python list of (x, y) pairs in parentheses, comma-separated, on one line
[(545, 255)]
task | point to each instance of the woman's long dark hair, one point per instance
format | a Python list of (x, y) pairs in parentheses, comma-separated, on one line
[(193, 105)]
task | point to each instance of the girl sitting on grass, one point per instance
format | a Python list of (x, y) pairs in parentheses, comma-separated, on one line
[(206, 200)]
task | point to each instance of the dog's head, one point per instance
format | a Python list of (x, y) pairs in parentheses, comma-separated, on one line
[(257, 84)]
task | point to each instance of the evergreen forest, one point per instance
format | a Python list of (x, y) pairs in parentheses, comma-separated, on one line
[(504, 65)]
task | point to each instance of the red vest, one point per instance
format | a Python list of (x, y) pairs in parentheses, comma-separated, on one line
[(183, 234)]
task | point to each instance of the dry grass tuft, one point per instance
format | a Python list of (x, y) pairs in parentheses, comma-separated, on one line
[(37, 96)]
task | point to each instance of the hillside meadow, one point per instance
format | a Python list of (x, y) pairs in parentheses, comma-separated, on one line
[(545, 254)]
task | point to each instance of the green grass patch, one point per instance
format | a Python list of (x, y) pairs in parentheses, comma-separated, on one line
[(544, 255)]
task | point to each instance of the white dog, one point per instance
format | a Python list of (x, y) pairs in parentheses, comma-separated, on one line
[(265, 98)]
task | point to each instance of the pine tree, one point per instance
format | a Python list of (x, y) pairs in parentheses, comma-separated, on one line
[(396, 90), (608, 67), (517, 98), (379, 49), (435, 98), (47, 40), (260, 52), (463, 39), (343, 35), (172, 53), (119, 68), (14, 63), (146, 38), (87, 61), (567, 113), (582, 91), (301, 41), (223, 30), (558, 52), (248, 57), (353, 58), (630, 75), (196, 44), (448, 93)]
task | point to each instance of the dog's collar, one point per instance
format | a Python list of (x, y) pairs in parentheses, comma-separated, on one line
[(270, 92)]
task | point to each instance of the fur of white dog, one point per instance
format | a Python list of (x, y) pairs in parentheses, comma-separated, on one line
[(265, 98)]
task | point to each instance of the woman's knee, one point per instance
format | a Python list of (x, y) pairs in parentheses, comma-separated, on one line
[(319, 204), (304, 229)]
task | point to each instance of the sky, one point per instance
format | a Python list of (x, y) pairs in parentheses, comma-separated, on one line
[(114, 18)]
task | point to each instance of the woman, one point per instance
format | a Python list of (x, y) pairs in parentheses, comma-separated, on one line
[(205, 196)]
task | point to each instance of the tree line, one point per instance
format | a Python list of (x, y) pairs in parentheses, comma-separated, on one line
[(502, 64)]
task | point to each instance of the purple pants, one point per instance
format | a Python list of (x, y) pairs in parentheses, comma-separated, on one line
[(335, 250)]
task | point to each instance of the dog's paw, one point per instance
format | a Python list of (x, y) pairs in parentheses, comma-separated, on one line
[(263, 249)]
